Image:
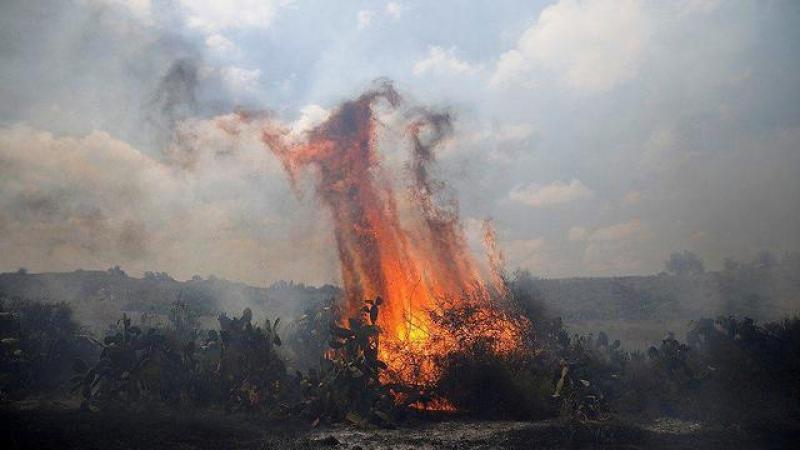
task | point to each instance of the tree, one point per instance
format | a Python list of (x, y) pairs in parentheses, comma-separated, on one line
[(117, 271), (765, 259), (158, 276), (685, 263)]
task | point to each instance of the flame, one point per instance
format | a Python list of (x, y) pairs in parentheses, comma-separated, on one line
[(416, 268), (495, 257)]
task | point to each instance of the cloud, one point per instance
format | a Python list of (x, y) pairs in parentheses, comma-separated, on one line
[(537, 255), (666, 151), (508, 142), (310, 116), (394, 9), (534, 254), (588, 45), (556, 193), (577, 234), (212, 16), (498, 142), (626, 231), (699, 6), (440, 61), (614, 249), (220, 44), (139, 9), (632, 198), (514, 132), (364, 18), (633, 230), (241, 80), (531, 254)]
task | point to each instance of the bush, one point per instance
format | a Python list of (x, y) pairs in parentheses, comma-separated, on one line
[(237, 368), (484, 384), (39, 342), (347, 385)]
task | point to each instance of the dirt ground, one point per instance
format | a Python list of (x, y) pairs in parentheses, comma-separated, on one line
[(67, 427)]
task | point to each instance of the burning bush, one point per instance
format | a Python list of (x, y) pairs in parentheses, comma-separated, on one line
[(409, 250), (541, 375)]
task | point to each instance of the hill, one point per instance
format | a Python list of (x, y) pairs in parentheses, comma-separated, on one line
[(100, 297)]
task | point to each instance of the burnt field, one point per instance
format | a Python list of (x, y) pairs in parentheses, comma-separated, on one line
[(67, 428)]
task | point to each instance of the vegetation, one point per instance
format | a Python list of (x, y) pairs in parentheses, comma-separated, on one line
[(347, 385), (236, 368), (38, 343), (684, 264), (729, 371)]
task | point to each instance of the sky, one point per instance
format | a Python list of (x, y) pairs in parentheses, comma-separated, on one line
[(598, 135)]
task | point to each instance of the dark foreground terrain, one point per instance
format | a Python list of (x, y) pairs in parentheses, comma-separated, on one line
[(39, 426)]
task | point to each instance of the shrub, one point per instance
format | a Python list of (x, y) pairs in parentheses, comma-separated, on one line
[(237, 367), (482, 383), (347, 385), (39, 342)]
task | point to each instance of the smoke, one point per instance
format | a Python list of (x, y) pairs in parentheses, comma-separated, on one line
[(95, 201), (175, 97), (161, 187)]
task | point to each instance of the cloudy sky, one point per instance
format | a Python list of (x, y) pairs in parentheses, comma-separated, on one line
[(600, 135)]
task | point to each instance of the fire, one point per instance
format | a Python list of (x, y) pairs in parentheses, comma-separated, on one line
[(417, 267), (495, 257)]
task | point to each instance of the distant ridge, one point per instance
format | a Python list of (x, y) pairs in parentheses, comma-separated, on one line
[(100, 297)]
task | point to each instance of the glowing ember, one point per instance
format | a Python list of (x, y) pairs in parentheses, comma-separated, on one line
[(414, 267)]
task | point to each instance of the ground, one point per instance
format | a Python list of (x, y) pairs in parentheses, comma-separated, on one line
[(64, 426)]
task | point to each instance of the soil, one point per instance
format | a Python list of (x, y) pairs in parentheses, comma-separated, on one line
[(65, 426)]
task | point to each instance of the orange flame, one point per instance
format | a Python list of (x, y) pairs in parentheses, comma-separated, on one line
[(414, 268), (495, 257)]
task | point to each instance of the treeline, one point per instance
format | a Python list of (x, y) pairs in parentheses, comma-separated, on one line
[(765, 287), (100, 297)]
